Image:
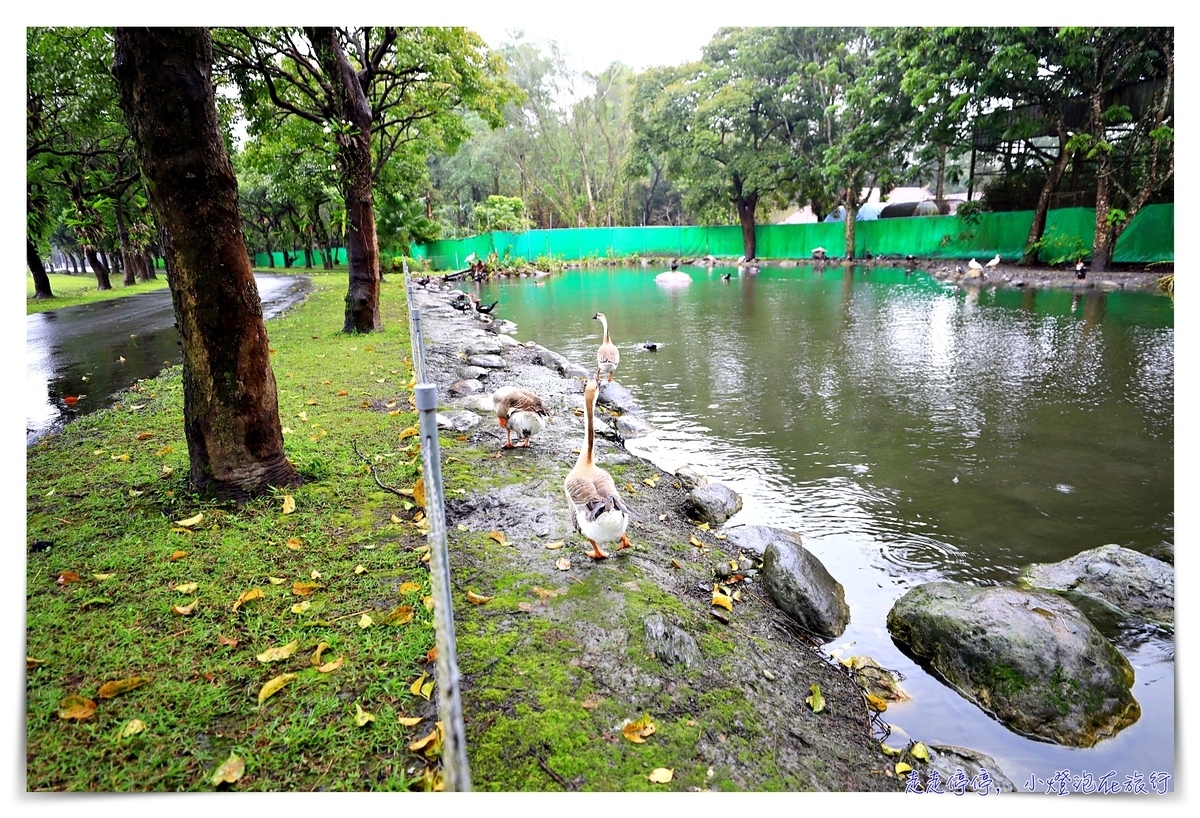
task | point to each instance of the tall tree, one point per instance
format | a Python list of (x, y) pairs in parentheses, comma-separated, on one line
[(370, 90), (230, 411)]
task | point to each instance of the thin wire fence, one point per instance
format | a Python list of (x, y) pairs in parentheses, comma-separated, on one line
[(456, 774)]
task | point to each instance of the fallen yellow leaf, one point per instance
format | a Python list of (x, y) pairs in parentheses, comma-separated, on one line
[(637, 731), (76, 707), (400, 615), (365, 621), (293, 544), (330, 667), (102, 577), (316, 657), (230, 771), (124, 458), (477, 599), (132, 728), (695, 542), (274, 686), (415, 687), (919, 752), (362, 717), (191, 521), (554, 546), (430, 741), (301, 607), (703, 526), (419, 492), (305, 588), (360, 569), (410, 721), (411, 431), (722, 601), (661, 775), (289, 504), (187, 587), (253, 593), (275, 654), (816, 701), (177, 555), (427, 601), (902, 768), (409, 587), (185, 610), (110, 689)]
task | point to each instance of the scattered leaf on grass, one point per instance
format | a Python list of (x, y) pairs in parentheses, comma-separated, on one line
[(230, 771), (124, 458), (415, 687), (301, 607), (253, 593), (274, 686), (330, 667), (661, 775), (411, 431), (132, 728), (342, 393), (545, 593), (562, 564), (31, 663), (187, 587), (177, 555), (919, 752), (289, 504), (102, 577), (360, 569), (432, 741), (816, 701), (96, 600), (66, 578), (400, 615), (409, 587), (431, 656), (230, 641), (305, 588), (637, 731), (477, 599), (276, 654), (721, 600), (419, 492), (116, 688), (427, 601), (293, 544), (362, 717), (316, 657), (498, 536), (76, 707), (185, 610), (365, 621), (191, 521), (315, 574), (410, 721)]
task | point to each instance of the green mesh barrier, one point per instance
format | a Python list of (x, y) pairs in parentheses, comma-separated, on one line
[(1150, 238)]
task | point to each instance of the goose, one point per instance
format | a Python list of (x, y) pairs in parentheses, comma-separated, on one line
[(994, 262), (710, 260), (1080, 270), (597, 511), (521, 411), (607, 356), (974, 265)]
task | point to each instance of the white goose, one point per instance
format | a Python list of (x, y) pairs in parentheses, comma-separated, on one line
[(521, 411), (994, 262), (607, 356), (597, 511), (974, 265)]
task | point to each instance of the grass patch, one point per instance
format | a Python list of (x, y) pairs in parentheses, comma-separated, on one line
[(103, 498), (73, 290)]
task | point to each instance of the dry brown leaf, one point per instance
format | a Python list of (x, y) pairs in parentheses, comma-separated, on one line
[(419, 492), (293, 544), (231, 641), (525, 607), (562, 564), (409, 587), (110, 689), (400, 615), (305, 588), (274, 686), (230, 771), (477, 599), (164, 450), (185, 610), (330, 667), (145, 435), (431, 656), (66, 578), (289, 504), (498, 536), (253, 593), (76, 707), (177, 555), (591, 702), (545, 593), (342, 393), (276, 654)]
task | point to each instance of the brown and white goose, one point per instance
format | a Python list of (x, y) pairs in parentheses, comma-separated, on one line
[(521, 411), (597, 510), (608, 356)]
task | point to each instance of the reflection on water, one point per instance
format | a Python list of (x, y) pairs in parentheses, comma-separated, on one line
[(910, 432)]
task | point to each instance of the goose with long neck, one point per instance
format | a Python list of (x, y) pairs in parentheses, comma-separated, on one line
[(521, 411), (597, 511), (608, 356)]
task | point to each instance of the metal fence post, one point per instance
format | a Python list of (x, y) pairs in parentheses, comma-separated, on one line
[(456, 775)]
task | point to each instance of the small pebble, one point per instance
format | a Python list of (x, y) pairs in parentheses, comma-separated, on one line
[(723, 569), (769, 674), (746, 564)]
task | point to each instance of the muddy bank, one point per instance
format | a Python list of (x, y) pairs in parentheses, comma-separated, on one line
[(571, 649)]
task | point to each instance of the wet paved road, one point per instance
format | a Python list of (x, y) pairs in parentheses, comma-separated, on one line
[(78, 351)]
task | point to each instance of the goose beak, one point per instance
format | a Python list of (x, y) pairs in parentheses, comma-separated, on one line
[(503, 423)]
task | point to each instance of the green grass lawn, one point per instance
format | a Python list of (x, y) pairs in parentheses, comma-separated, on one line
[(71, 290), (117, 588)]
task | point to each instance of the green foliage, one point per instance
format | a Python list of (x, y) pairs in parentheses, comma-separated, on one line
[(502, 213), (1056, 247)]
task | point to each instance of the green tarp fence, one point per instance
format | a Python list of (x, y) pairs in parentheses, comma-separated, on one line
[(1150, 238)]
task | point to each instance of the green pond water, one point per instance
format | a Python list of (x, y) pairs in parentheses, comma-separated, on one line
[(910, 432)]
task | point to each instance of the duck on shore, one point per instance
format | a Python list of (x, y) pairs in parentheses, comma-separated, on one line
[(608, 357)]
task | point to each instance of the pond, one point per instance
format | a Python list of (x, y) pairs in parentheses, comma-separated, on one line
[(910, 432)]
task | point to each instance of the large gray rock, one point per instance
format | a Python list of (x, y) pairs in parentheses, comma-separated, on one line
[(1030, 658), (459, 421), (468, 386), (487, 345), (756, 538), (669, 643), (472, 372), (959, 767), (479, 403), (712, 503), (632, 426), (486, 361), (690, 477), (617, 397), (550, 359), (800, 586), (1121, 578)]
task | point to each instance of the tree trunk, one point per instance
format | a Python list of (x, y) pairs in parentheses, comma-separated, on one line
[(357, 181), (941, 173), (1102, 244), (41, 281), (230, 405), (126, 250), (149, 266), (851, 223), (1038, 228), (98, 269), (745, 209)]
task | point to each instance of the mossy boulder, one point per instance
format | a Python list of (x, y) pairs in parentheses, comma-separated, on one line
[(1120, 578), (802, 588), (1029, 658)]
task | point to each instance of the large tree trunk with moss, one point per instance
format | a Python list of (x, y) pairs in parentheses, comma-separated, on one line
[(1038, 228), (230, 408), (357, 181), (41, 281)]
